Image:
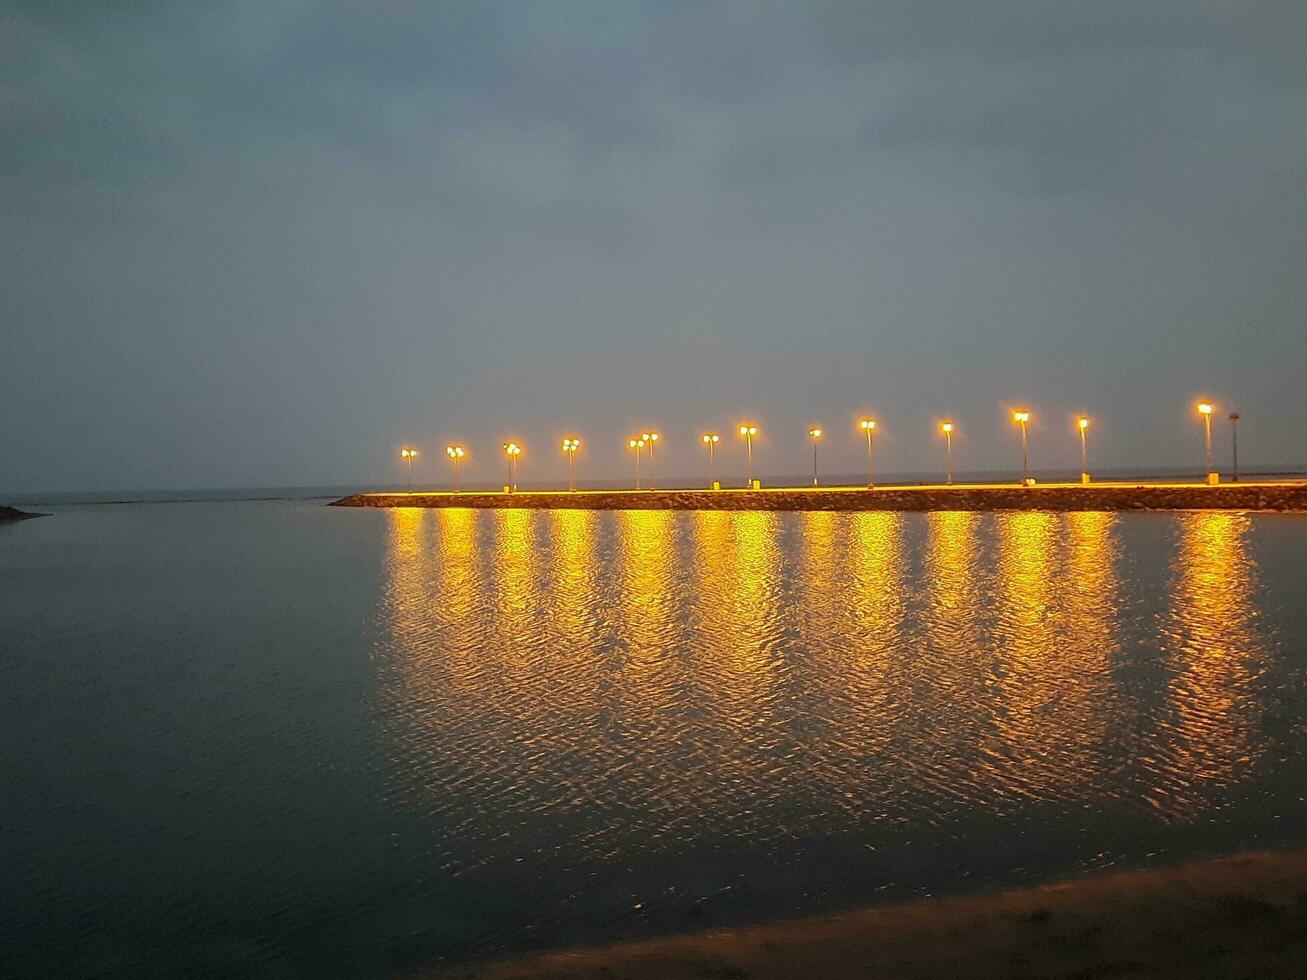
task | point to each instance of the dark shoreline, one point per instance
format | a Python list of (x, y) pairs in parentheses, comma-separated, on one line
[(9, 514), (1266, 497)]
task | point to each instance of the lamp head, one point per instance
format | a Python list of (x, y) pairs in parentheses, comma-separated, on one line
[(946, 427), (867, 424), (815, 433), (1021, 416), (1082, 422), (1205, 408)]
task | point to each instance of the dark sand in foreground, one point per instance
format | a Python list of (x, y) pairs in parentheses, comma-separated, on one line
[(1244, 916)]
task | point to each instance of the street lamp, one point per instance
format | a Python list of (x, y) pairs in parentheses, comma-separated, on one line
[(408, 455), (1082, 424), (650, 438), (947, 429), (570, 445), (815, 435), (512, 450), (456, 454), (748, 432), (1022, 418), (710, 439), (1205, 409), (636, 445), (1234, 437), (868, 426)]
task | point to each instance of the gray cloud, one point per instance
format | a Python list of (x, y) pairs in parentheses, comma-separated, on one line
[(255, 243)]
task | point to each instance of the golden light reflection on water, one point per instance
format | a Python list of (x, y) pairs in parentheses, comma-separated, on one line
[(1055, 652), (1209, 737), (877, 665)]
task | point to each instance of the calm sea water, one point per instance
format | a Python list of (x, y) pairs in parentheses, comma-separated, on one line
[(277, 739)]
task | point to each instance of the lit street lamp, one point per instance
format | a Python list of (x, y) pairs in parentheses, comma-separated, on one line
[(868, 426), (512, 450), (456, 454), (710, 439), (1022, 418), (570, 446), (1082, 424), (1234, 437), (815, 435), (1205, 409), (650, 438), (408, 455), (636, 445), (947, 429), (748, 432)]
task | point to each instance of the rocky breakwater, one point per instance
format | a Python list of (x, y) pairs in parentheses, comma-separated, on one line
[(8, 514), (1102, 497)]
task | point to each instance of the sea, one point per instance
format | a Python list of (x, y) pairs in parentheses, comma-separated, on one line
[(272, 738)]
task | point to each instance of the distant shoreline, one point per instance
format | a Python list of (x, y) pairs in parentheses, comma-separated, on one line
[(1264, 496), (1244, 915), (10, 514)]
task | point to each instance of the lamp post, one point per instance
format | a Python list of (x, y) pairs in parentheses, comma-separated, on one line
[(1082, 424), (512, 450), (636, 445), (456, 454), (1205, 409), (947, 429), (1022, 418), (408, 455), (815, 435), (570, 445), (1234, 445), (869, 427), (710, 439), (748, 432), (649, 439)]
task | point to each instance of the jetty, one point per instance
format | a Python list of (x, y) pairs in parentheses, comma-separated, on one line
[(1277, 496)]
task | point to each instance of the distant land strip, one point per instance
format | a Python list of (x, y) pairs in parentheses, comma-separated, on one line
[(8, 514), (1276, 497)]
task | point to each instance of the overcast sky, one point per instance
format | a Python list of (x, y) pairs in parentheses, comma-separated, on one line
[(266, 243)]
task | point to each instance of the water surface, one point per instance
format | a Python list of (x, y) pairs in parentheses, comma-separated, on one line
[(277, 739)]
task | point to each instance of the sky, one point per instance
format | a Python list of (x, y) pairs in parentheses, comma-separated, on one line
[(268, 243)]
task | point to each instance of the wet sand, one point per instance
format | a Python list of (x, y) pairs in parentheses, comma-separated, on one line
[(1243, 916)]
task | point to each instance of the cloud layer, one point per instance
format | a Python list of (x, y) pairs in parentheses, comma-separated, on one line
[(262, 244)]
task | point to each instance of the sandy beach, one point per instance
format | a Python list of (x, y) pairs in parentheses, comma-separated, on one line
[(1242, 916)]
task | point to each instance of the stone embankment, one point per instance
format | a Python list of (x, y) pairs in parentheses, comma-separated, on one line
[(10, 514), (1230, 496)]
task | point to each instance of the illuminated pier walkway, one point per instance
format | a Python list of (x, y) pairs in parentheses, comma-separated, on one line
[(1251, 496)]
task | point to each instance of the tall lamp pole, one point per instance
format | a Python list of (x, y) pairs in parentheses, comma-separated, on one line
[(649, 439), (408, 455), (1082, 424), (748, 432), (869, 427), (1205, 409), (1022, 418), (570, 445), (512, 450), (710, 439), (947, 429), (636, 445), (815, 435), (456, 454), (1234, 437)]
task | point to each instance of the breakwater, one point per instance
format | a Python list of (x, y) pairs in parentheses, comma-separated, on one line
[(1061, 497)]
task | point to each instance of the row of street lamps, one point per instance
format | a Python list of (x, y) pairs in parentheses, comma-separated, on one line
[(748, 431)]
